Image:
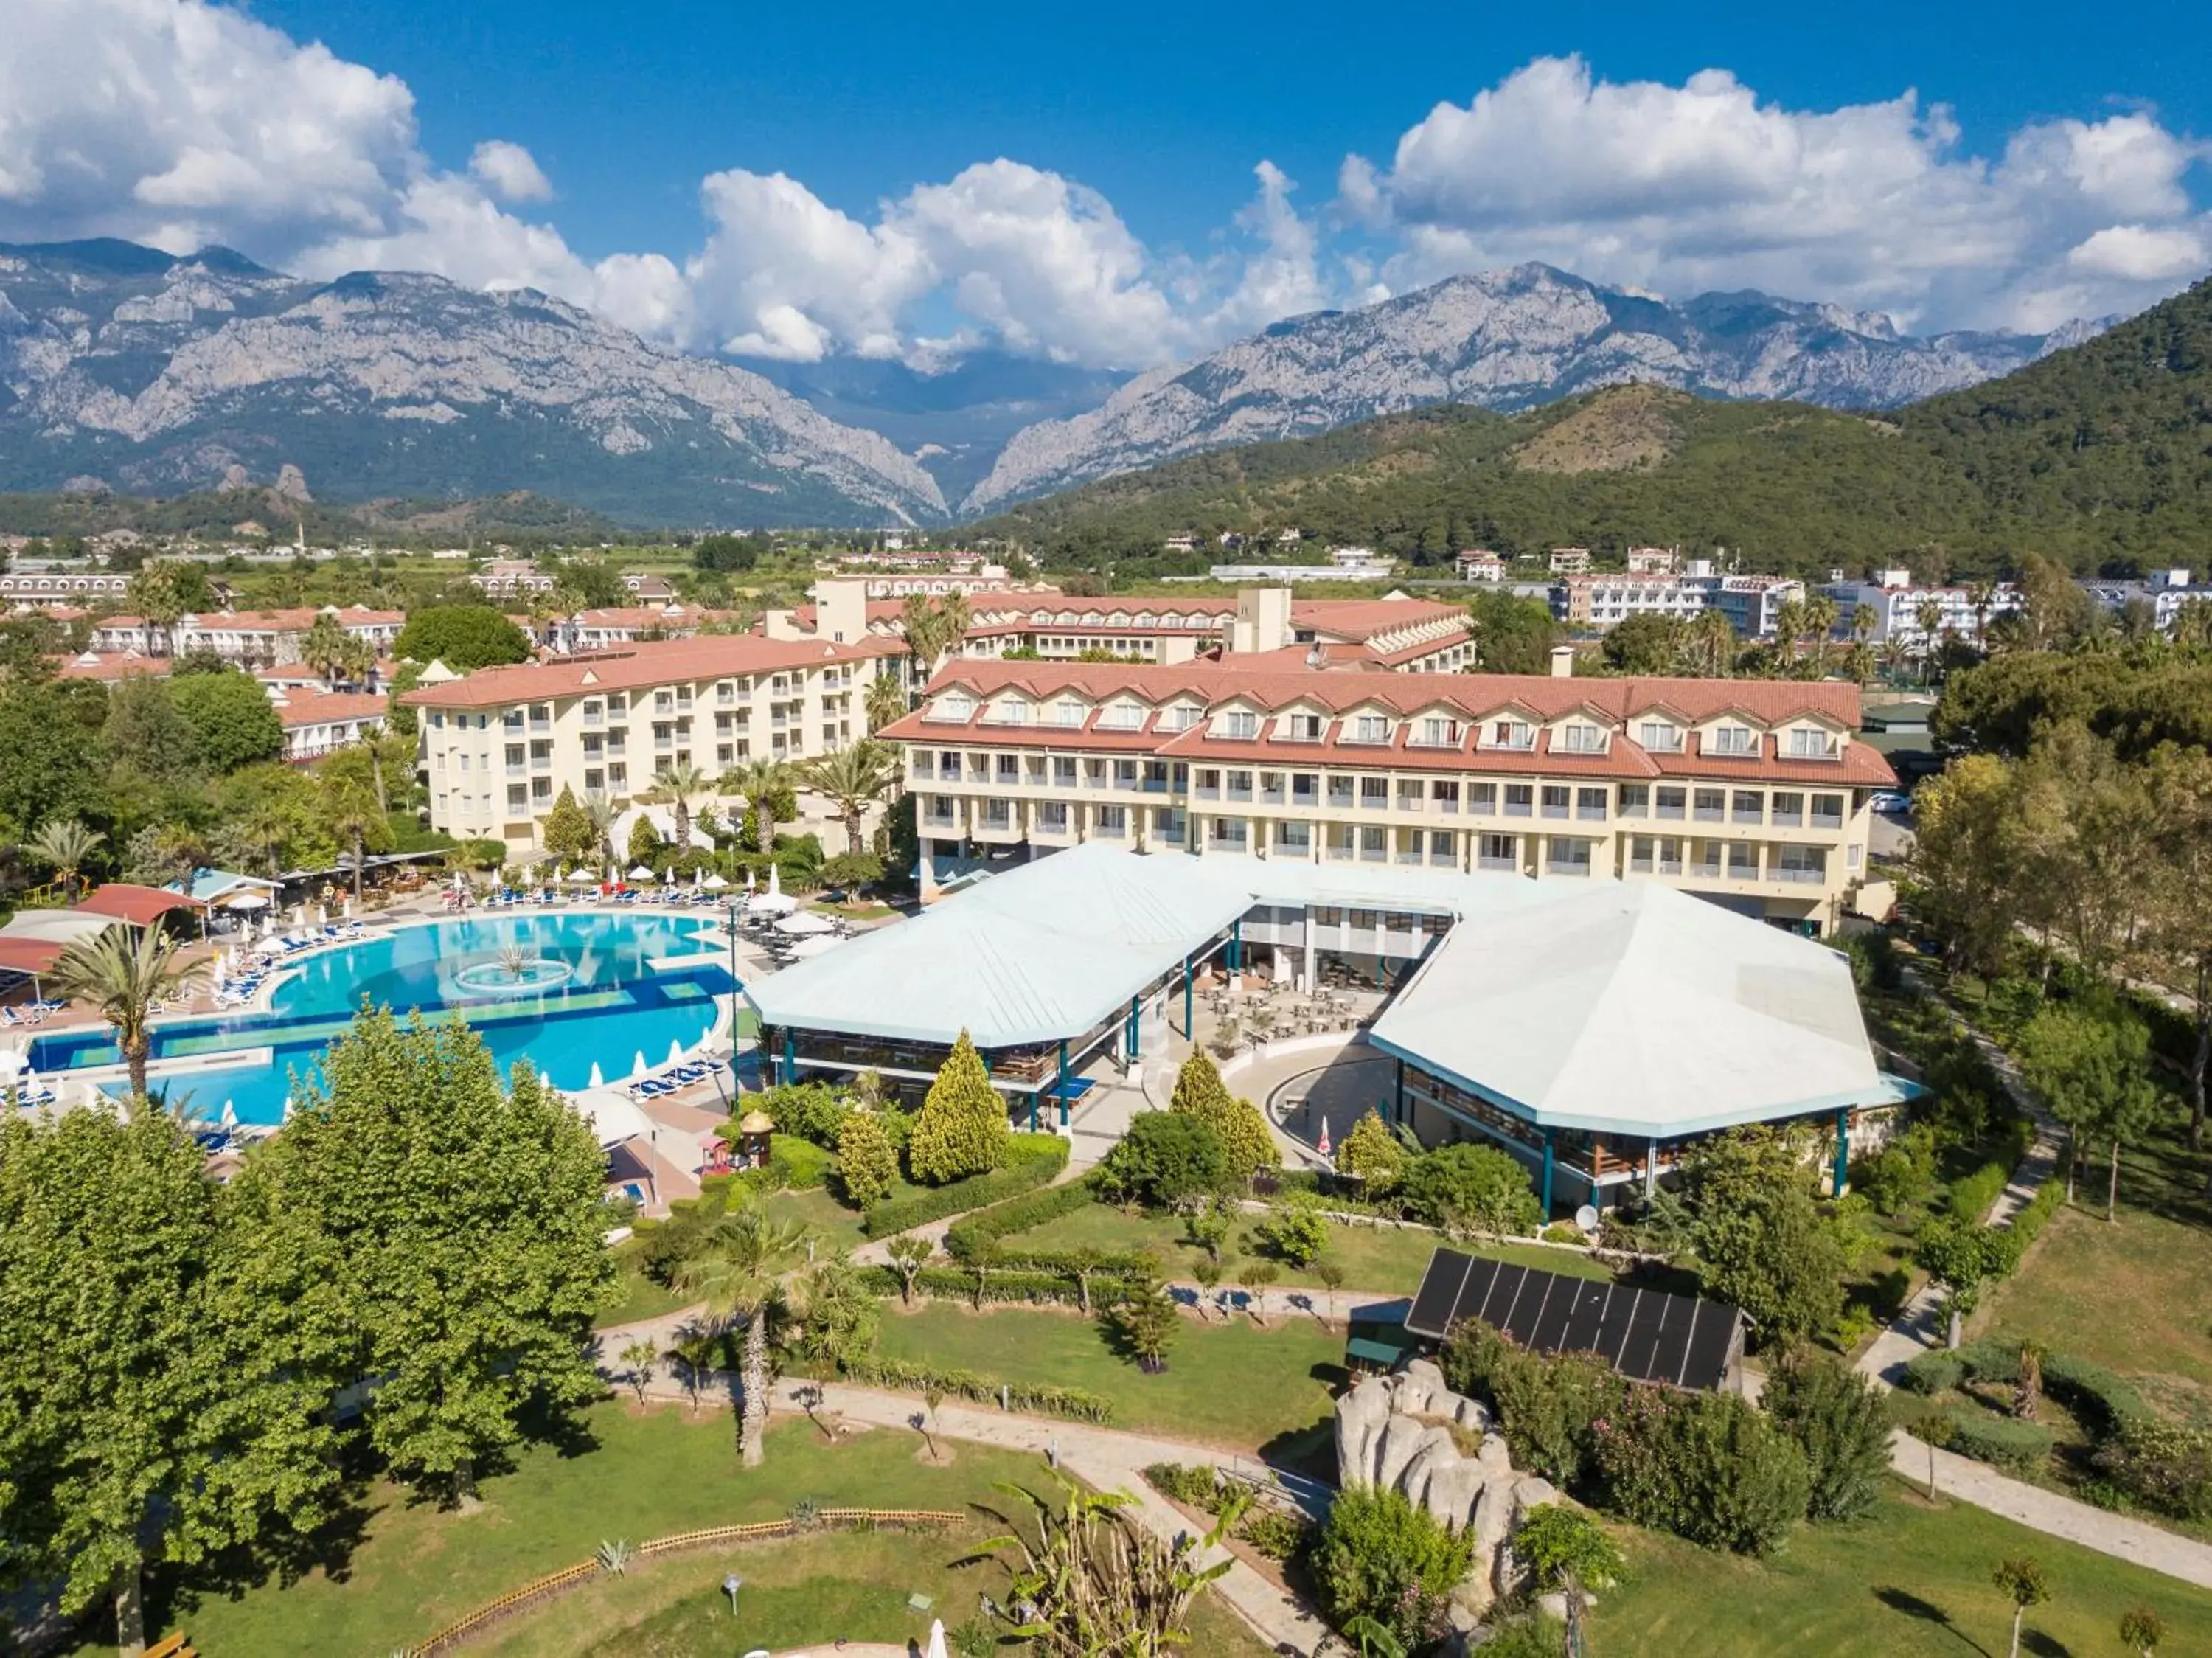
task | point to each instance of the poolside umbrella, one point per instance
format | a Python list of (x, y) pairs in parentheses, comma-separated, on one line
[(637, 1071), (675, 1052), (546, 1079), (349, 906), (598, 1081), (936, 1647), (229, 1115), (639, 872), (776, 880), (581, 877), (749, 883), (805, 922), (221, 972), (1322, 1144), (246, 901), (715, 883)]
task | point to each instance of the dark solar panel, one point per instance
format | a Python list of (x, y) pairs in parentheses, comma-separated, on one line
[(1434, 1304), (1711, 1342), (1582, 1332), (1646, 1334), (1641, 1349)]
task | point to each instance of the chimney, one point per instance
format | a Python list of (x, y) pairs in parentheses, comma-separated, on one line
[(1563, 662)]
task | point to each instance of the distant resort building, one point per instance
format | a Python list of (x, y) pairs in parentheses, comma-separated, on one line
[(246, 636)]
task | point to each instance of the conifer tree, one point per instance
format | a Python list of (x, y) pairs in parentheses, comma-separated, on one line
[(1244, 1135), (567, 834), (961, 1130), (867, 1162)]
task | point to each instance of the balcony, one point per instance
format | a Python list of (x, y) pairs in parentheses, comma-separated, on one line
[(516, 770), (1784, 818), (1490, 861), (1591, 814), (1409, 803), (1827, 820), (1674, 814), (1517, 809), (1233, 793), (1798, 873), (1705, 868), (1570, 868), (1655, 866), (1447, 804), (1705, 813)]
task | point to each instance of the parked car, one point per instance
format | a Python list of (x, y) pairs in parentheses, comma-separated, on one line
[(1892, 802)]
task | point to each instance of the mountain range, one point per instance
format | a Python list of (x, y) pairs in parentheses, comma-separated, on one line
[(126, 368)]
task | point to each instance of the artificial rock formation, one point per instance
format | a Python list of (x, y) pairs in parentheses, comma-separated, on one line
[(1395, 1432)]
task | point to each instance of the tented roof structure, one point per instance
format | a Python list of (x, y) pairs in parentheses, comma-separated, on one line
[(58, 926), (1049, 951), (1627, 1007), (141, 906)]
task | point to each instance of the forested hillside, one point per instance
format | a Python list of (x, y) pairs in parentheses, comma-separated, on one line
[(2099, 456)]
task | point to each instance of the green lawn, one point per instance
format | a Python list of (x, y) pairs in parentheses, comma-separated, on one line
[(1909, 1583), (638, 1296), (413, 1567), (1380, 1258), (2137, 1297), (1235, 1385), (838, 1226)]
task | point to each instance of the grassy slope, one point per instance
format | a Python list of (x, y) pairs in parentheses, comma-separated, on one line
[(1909, 1583), (1233, 1385)]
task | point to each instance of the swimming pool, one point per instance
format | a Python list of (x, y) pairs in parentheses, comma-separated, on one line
[(563, 990)]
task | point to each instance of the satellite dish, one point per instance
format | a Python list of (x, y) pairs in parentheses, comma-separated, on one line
[(1586, 1218)]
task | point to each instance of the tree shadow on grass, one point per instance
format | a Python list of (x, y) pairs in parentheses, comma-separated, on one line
[(1905, 1601)]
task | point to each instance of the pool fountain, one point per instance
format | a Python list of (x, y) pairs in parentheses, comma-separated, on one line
[(514, 969)]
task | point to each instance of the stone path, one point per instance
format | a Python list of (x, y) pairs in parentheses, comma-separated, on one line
[(1921, 1326)]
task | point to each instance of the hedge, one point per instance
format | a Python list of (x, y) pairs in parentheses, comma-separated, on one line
[(1038, 1397), (973, 1235), (803, 1165), (2003, 1441), (1972, 1194), (1000, 1284), (2104, 1403), (1033, 1160)]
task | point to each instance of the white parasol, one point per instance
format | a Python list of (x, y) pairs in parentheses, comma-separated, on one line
[(805, 922), (245, 901), (639, 872), (598, 1081), (936, 1646), (580, 877), (715, 883), (820, 944)]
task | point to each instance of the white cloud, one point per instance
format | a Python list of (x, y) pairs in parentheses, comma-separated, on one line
[(1702, 185), (509, 171)]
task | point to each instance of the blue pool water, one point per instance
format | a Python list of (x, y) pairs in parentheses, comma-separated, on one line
[(604, 1005)]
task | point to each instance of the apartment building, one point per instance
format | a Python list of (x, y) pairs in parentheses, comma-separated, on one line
[(1599, 603), (1751, 793), (498, 746), (247, 636), (1476, 564), (1652, 561), (2165, 592), (318, 721), (1568, 561), (1896, 601)]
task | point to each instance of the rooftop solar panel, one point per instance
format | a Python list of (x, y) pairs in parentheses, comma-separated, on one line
[(1712, 1345), (1677, 1316), (1582, 1332), (1436, 1302)]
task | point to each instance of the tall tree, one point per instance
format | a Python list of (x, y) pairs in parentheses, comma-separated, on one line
[(1966, 856), (1245, 1138), (885, 700), (737, 1268), (852, 778), (683, 783), (2179, 784), (65, 846), (464, 638), (350, 810), (150, 1409), (763, 783), (122, 972), (568, 833), (962, 1127), (326, 647), (444, 1235)]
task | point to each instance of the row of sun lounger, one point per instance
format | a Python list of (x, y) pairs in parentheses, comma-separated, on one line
[(674, 1078), (31, 1013)]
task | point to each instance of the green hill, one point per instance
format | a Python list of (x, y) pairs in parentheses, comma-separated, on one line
[(2099, 456)]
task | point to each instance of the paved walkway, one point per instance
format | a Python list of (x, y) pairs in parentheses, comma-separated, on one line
[(1921, 1326)]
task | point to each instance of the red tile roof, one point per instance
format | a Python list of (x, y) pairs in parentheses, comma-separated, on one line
[(138, 906), (300, 708), (634, 667)]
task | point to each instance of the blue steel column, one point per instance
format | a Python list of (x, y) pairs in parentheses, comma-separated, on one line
[(1398, 1105), (1236, 945), (1548, 1175), (1842, 1150), (1063, 1081), (790, 1055), (1189, 1035)]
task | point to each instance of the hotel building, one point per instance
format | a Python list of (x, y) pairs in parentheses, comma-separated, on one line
[(498, 746), (1752, 794)]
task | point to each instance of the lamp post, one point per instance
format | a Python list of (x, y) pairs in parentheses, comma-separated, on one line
[(731, 1585)]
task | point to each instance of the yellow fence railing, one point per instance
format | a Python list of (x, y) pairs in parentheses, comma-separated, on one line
[(466, 1628)]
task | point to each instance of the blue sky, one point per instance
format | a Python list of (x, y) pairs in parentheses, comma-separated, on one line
[(916, 181)]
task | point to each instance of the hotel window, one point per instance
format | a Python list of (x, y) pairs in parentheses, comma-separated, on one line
[(1635, 800), (1445, 793), (1708, 804), (1052, 816), (617, 776), (1827, 811), (952, 765), (924, 762), (1063, 770), (1121, 716), (1789, 808), (1732, 740), (1511, 734), (1010, 768), (953, 705), (1302, 727), (1375, 792), (1068, 710), (1240, 722), (1371, 727), (1520, 799), (1556, 800), (1012, 711), (1589, 803), (1808, 742), (517, 797), (1746, 806), (1113, 821), (1438, 732), (594, 782), (1482, 797), (1566, 856), (1497, 852), (1672, 802), (1180, 717), (1583, 739)]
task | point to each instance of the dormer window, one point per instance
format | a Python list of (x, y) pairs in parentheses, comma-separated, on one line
[(953, 705), (1370, 728), (1438, 732), (1121, 716), (1012, 711), (1580, 739), (1302, 727), (1068, 710), (1809, 742), (1659, 738), (1239, 723), (1732, 740), (1511, 734)]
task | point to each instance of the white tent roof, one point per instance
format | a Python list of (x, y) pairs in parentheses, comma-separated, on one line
[(613, 1115), (58, 926), (1049, 951), (1627, 1007)]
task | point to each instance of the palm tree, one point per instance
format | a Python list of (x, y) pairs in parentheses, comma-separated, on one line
[(885, 701), (1929, 615), (352, 814), (681, 783), (735, 1271), (122, 972), (852, 778), (267, 833), (759, 781), (601, 811), (67, 846), (326, 647)]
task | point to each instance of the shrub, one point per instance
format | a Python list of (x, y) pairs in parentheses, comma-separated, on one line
[(1371, 1155), (2104, 1403), (976, 1234), (810, 1110), (1534, 1636), (1294, 1232), (1549, 1407), (2003, 1441), (1935, 1372), (1475, 1188), (1036, 1398), (1033, 1160), (2164, 1465), (1888, 1178), (1706, 1467), (1558, 1543), (1275, 1534), (1565, 1233), (1839, 1420), (1143, 1323), (962, 1129), (867, 1162), (960, 1283), (1194, 1486), (1380, 1557), (1246, 1141), (799, 1164), (1165, 1159)]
